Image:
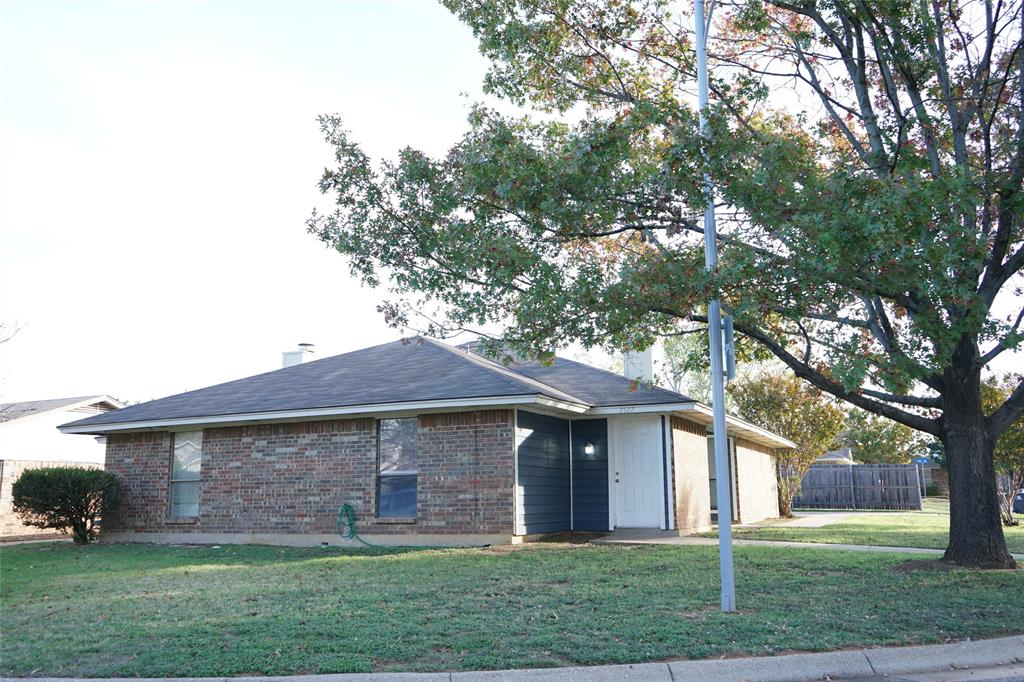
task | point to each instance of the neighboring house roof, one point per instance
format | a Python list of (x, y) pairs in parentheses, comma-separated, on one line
[(10, 412), (840, 456), (405, 375)]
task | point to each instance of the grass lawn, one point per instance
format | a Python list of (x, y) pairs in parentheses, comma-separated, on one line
[(926, 528), (138, 610)]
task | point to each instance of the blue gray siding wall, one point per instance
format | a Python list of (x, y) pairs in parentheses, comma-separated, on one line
[(590, 475), (543, 499)]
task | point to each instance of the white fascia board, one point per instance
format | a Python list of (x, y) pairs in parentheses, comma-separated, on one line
[(113, 401), (422, 406), (564, 405), (659, 408), (745, 428)]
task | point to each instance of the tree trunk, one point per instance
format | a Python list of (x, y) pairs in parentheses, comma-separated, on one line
[(1014, 480), (785, 491), (975, 528), (785, 504), (78, 533)]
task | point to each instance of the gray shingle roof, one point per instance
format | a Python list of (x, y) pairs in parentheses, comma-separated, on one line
[(401, 371), (11, 411), (598, 387)]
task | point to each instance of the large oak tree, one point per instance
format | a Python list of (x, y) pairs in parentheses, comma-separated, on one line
[(869, 159)]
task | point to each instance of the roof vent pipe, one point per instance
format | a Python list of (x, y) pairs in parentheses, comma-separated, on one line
[(290, 358)]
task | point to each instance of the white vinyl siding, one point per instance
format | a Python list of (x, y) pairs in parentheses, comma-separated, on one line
[(186, 465)]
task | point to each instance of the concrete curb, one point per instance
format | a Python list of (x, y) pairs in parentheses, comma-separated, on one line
[(864, 663), (970, 654), (790, 668)]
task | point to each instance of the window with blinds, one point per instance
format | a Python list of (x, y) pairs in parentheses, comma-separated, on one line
[(397, 467), (186, 464)]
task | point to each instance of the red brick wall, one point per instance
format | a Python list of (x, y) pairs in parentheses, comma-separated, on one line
[(292, 478)]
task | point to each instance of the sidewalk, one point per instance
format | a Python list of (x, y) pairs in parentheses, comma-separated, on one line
[(992, 659), (666, 538)]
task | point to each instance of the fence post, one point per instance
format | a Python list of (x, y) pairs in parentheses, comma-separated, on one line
[(853, 489)]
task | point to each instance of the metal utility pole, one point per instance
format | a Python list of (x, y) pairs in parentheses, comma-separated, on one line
[(723, 482)]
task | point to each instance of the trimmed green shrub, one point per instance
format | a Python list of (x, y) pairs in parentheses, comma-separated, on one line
[(932, 491), (68, 499)]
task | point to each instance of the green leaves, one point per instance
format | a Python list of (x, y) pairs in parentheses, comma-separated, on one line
[(867, 217), (69, 499), (877, 440), (801, 413)]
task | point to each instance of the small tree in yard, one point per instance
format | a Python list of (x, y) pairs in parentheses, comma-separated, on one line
[(68, 499), (879, 440), (797, 411), (1009, 449)]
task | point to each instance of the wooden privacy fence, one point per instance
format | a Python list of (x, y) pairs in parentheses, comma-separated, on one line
[(860, 486)]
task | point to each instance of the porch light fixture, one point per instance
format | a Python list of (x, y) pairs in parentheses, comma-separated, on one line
[(588, 449)]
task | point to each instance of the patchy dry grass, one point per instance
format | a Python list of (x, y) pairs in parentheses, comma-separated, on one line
[(138, 610)]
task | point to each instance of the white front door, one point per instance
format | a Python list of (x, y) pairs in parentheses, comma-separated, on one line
[(636, 472)]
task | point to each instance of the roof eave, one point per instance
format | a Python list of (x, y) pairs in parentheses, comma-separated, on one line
[(741, 427), (609, 410), (348, 411)]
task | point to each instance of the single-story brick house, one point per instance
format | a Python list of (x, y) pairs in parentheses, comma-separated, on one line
[(431, 444)]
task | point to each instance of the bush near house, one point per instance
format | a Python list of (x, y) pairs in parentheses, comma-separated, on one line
[(69, 499)]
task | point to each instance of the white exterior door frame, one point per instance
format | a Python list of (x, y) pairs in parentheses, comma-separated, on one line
[(636, 472)]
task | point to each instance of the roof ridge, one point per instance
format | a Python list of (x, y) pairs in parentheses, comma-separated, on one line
[(77, 398), (505, 372), (649, 385)]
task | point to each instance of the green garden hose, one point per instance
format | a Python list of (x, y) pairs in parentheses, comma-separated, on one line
[(347, 525), (347, 530)]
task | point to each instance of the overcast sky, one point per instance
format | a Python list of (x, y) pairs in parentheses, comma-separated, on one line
[(158, 160)]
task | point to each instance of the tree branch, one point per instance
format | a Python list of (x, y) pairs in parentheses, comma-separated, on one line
[(816, 378), (1008, 412)]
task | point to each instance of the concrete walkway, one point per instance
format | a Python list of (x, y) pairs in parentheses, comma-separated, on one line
[(815, 519), (992, 659), (667, 538)]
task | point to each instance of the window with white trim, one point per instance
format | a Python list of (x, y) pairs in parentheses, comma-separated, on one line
[(397, 442), (186, 463)]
